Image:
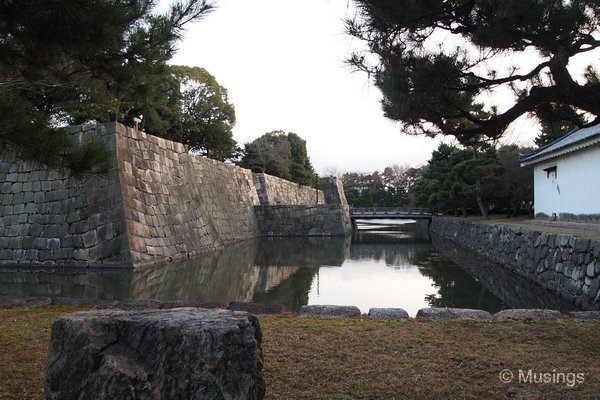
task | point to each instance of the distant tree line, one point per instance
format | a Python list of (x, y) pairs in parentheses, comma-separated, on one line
[(390, 188), (456, 180)]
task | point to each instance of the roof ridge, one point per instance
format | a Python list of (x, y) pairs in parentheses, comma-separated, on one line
[(557, 144), (563, 137)]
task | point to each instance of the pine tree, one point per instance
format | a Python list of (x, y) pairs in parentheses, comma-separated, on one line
[(68, 62), (449, 89)]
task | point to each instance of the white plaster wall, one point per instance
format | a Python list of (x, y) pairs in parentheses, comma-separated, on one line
[(576, 189)]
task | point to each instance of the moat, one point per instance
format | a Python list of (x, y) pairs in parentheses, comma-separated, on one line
[(383, 264)]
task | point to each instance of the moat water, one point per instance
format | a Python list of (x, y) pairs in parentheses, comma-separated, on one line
[(384, 264)]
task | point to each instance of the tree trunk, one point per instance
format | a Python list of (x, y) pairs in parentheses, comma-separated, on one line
[(483, 207)]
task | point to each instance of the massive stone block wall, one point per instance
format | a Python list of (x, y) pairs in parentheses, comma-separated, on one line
[(274, 191), (333, 190), (46, 218), (566, 265), (295, 220), (179, 205), (160, 204)]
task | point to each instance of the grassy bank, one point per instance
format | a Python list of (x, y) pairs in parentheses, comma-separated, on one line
[(311, 358)]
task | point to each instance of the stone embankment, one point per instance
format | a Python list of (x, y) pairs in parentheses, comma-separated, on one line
[(296, 220), (160, 204), (274, 191), (568, 266)]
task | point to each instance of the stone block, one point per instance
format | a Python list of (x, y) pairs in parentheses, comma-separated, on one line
[(396, 313), (182, 353), (329, 311), (257, 308), (528, 315), (453, 314), (25, 302), (90, 238), (585, 316)]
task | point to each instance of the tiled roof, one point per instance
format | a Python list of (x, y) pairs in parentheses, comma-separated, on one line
[(572, 139)]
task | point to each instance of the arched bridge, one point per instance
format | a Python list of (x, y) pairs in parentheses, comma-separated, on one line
[(389, 213)]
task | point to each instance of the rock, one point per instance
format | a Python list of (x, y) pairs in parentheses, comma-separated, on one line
[(135, 304), (195, 304), (533, 315), (591, 268), (329, 311), (257, 308), (585, 316), (397, 313), (148, 304), (83, 302), (181, 353), (24, 302), (453, 314)]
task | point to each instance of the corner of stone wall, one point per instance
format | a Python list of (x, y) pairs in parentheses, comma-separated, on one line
[(50, 219), (333, 188)]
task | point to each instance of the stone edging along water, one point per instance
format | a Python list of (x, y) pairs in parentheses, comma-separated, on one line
[(324, 311), (566, 265)]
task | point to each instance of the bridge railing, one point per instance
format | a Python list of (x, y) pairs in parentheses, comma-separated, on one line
[(389, 211)]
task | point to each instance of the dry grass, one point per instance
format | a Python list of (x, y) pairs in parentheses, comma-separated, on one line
[(24, 339), (312, 358)]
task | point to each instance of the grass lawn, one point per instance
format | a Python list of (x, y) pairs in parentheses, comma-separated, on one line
[(312, 358)]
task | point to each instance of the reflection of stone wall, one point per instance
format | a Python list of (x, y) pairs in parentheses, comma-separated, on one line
[(223, 275), (317, 220), (95, 284), (400, 255), (515, 293), (48, 219), (273, 191), (302, 252), (566, 265)]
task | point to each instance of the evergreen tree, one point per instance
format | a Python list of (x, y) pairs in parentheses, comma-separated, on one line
[(556, 121), (270, 154), (280, 154), (68, 62), (301, 169), (198, 113), (437, 88)]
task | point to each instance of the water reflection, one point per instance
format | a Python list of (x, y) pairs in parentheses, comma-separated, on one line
[(382, 265)]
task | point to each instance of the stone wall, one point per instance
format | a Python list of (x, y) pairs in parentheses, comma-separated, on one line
[(295, 220), (272, 190), (333, 189), (566, 265), (160, 204), (48, 219), (179, 205)]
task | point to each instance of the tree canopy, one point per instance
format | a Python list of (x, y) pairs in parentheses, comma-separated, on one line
[(479, 177), (388, 189), (280, 154), (68, 62), (198, 113), (448, 88)]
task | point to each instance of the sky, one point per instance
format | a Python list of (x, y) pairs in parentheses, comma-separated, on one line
[(282, 63)]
